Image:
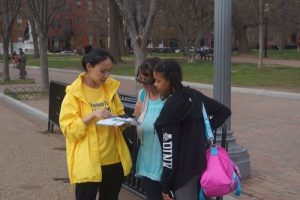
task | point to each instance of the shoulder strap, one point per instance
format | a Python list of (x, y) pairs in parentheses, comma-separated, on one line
[(208, 131), (141, 96)]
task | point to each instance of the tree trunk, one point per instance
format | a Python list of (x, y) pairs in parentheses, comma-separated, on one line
[(191, 55), (261, 36), (121, 37), (114, 31), (43, 43), (138, 47), (137, 27), (140, 54), (191, 59), (11, 46), (241, 37), (6, 76), (34, 38), (280, 37)]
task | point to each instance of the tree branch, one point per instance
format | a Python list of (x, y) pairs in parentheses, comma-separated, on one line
[(150, 18)]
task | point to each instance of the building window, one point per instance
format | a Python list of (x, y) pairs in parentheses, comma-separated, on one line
[(91, 39), (68, 25), (90, 4), (79, 38), (79, 18), (56, 23), (68, 7), (56, 43), (20, 39), (19, 21), (78, 3)]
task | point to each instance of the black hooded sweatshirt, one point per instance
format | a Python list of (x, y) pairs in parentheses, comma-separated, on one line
[(180, 128)]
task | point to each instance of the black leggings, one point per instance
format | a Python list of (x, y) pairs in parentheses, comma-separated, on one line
[(109, 188), (152, 189), (189, 191)]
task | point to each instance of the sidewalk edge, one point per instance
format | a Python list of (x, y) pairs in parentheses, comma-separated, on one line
[(40, 115)]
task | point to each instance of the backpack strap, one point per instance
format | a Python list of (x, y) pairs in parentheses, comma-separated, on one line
[(208, 132), (238, 190), (141, 96), (201, 195)]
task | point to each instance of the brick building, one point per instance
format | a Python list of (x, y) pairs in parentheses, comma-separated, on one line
[(17, 35), (77, 25)]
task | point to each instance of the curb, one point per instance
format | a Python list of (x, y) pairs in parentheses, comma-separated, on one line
[(260, 92), (24, 108)]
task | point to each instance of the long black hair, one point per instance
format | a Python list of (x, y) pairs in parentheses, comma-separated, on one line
[(172, 72), (95, 56)]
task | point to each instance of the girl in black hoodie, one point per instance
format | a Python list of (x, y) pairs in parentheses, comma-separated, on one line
[(180, 128)]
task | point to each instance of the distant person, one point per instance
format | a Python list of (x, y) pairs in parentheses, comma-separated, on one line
[(180, 128), (87, 48), (22, 64), (15, 59), (147, 109), (98, 157)]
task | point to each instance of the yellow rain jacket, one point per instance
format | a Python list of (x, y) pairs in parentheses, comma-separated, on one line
[(84, 164)]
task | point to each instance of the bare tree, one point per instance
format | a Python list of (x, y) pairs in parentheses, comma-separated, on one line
[(261, 37), (98, 22), (116, 41), (43, 13), (9, 11), (34, 37), (298, 43), (193, 22), (284, 17), (25, 12), (138, 23), (244, 16)]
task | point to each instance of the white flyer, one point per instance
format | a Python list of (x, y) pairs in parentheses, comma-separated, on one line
[(118, 121)]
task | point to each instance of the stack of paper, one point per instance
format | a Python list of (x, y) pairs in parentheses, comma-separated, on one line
[(118, 121)]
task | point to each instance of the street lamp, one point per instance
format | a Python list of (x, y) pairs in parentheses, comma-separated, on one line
[(266, 11), (222, 78)]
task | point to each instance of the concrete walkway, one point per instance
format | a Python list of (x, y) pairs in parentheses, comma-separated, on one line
[(269, 61), (33, 163), (268, 127)]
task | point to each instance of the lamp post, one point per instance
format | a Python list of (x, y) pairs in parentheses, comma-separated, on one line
[(266, 11), (222, 79)]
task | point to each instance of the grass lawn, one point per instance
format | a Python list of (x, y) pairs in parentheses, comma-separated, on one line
[(57, 61), (270, 76), (243, 75)]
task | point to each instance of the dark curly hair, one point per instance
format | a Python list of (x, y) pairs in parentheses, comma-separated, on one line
[(147, 67), (172, 72)]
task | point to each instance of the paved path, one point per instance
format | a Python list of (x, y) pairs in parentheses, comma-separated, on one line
[(269, 61), (33, 164), (268, 127), (30, 160)]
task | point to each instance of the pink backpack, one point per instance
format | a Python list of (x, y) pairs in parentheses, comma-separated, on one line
[(221, 175)]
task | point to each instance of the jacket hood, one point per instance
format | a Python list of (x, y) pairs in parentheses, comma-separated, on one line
[(111, 85), (179, 106)]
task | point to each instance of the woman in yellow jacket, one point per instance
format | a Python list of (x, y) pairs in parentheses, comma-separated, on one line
[(98, 157)]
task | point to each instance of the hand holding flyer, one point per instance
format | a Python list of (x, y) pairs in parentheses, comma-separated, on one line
[(118, 121)]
